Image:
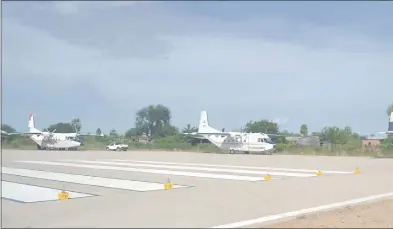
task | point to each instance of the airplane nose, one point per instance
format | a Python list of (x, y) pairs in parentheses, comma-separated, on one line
[(77, 144)]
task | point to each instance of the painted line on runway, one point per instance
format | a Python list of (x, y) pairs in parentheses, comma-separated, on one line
[(266, 219), (154, 171), (196, 168), (238, 167), (140, 186), (24, 193)]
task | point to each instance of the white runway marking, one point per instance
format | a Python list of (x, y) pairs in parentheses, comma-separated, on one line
[(262, 173), (238, 167), (29, 194), (265, 219), (88, 180), (154, 171)]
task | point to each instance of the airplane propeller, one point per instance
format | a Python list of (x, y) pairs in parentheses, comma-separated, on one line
[(47, 130), (76, 130), (49, 134)]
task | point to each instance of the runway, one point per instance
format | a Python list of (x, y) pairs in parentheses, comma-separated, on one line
[(126, 189)]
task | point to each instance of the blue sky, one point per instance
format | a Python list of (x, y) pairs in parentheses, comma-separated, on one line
[(319, 63)]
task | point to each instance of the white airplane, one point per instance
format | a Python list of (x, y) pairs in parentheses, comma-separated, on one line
[(234, 141), (50, 140)]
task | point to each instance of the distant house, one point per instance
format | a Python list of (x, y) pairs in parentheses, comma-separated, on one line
[(373, 141), (309, 141), (143, 139), (304, 141), (293, 139)]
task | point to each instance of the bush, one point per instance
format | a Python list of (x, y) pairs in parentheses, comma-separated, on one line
[(180, 142)]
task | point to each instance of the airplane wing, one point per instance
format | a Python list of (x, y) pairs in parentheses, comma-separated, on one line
[(20, 133), (81, 134), (200, 133), (89, 134), (387, 132), (195, 136), (218, 133)]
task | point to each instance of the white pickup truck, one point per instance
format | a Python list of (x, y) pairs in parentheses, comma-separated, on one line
[(115, 146)]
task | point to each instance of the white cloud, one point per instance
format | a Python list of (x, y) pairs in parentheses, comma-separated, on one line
[(74, 7), (206, 60)]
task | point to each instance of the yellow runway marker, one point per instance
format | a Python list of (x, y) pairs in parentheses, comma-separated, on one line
[(168, 185)]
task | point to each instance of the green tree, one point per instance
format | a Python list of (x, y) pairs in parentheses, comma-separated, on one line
[(152, 120), (390, 109), (262, 126), (98, 131), (61, 127), (304, 130), (189, 129), (113, 133), (335, 135), (77, 124), (7, 128), (169, 130), (133, 132)]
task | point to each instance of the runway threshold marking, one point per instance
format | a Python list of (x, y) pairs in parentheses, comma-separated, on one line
[(154, 171), (25, 193), (88, 180), (265, 219), (236, 166), (262, 173)]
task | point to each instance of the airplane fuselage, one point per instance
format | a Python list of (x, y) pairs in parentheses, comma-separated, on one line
[(241, 142), (53, 143)]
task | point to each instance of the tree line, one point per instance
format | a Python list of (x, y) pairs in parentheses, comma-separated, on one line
[(154, 121)]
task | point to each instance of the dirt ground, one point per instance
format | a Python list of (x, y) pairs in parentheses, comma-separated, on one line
[(372, 215)]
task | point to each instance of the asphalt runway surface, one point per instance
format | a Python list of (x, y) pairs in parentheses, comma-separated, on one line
[(126, 189)]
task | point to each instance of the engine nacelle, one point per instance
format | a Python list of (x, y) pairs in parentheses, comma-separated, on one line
[(46, 134)]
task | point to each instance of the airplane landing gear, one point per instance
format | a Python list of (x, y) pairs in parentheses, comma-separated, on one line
[(268, 152), (58, 149)]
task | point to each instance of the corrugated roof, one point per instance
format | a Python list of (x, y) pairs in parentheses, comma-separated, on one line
[(377, 137)]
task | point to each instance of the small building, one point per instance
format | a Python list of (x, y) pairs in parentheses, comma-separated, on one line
[(293, 139), (373, 141), (304, 141), (309, 141)]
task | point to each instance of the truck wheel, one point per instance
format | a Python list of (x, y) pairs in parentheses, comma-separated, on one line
[(231, 151), (107, 149), (118, 149)]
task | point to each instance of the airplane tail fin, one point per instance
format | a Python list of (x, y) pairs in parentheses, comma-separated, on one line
[(32, 124), (390, 129), (204, 124)]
